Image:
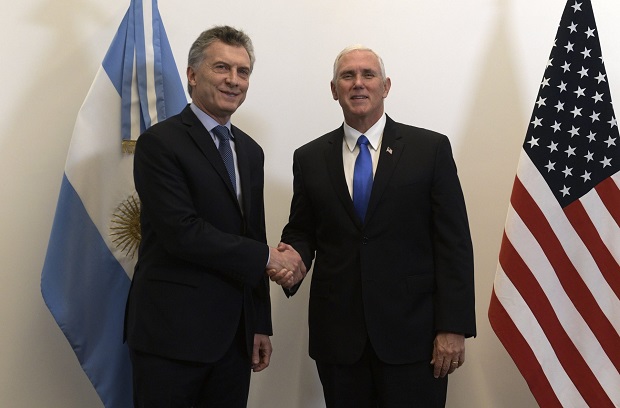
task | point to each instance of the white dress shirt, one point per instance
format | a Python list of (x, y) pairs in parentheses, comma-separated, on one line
[(350, 150)]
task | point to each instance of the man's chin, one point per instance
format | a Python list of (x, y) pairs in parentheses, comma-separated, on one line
[(229, 108), (358, 111), (231, 104)]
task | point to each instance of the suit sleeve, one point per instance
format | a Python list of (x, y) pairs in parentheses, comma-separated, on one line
[(453, 251), (299, 231), (261, 293)]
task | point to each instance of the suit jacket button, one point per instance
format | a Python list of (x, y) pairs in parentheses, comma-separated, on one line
[(364, 240)]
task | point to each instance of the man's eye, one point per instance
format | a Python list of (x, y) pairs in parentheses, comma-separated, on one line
[(244, 73), (220, 68)]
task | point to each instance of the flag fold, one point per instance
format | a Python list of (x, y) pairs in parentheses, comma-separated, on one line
[(92, 247)]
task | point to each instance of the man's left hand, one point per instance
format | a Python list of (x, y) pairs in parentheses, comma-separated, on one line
[(261, 354), (448, 353)]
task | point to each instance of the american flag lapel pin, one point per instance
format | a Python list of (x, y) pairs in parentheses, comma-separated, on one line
[(389, 150)]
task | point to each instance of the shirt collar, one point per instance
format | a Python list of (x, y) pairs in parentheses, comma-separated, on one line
[(207, 121), (373, 134)]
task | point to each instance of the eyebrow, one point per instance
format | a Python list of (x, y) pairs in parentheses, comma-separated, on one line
[(243, 65), (364, 71)]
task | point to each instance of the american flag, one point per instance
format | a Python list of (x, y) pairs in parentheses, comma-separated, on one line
[(555, 303)]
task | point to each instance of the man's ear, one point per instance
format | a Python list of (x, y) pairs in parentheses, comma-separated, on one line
[(334, 92), (191, 76), (386, 87)]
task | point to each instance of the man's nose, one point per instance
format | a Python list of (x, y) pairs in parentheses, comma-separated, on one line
[(233, 77), (358, 83)]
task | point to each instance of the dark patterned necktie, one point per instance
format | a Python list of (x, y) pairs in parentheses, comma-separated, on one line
[(226, 152)]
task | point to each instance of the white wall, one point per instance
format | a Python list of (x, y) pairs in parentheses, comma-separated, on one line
[(468, 68)]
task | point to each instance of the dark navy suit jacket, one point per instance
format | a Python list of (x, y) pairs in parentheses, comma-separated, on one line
[(202, 258), (403, 274)]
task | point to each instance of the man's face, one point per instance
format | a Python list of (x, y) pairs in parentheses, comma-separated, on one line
[(359, 88), (221, 81)]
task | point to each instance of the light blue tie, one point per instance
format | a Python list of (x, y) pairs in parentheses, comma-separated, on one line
[(226, 152), (362, 178)]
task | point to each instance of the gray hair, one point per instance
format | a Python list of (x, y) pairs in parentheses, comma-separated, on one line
[(226, 34), (357, 47)]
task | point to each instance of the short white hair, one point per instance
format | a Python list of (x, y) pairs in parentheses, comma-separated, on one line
[(357, 47)]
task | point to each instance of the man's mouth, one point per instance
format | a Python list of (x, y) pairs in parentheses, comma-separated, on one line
[(230, 94)]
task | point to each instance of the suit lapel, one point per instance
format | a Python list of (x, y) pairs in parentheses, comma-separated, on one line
[(205, 143), (335, 169), (243, 165), (391, 150)]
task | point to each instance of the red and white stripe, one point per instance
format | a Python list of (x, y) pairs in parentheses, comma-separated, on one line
[(555, 304)]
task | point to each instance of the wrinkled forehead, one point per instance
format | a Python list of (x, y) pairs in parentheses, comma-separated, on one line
[(363, 60)]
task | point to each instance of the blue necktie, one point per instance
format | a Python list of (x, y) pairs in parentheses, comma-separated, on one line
[(362, 178), (226, 152)]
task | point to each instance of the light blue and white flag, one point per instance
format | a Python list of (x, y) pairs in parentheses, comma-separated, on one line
[(92, 247)]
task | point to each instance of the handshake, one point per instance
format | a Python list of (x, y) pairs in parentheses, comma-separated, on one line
[(285, 266)]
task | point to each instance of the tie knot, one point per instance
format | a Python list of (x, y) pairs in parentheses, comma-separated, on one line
[(221, 132), (362, 140)]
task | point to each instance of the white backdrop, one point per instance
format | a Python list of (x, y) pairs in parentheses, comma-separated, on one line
[(469, 69)]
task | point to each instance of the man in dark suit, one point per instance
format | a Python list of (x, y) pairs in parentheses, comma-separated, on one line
[(198, 316), (392, 292)]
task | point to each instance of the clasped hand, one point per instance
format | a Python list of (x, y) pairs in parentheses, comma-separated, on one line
[(285, 266)]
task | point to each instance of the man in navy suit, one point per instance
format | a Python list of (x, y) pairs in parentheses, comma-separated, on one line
[(392, 291), (198, 316)]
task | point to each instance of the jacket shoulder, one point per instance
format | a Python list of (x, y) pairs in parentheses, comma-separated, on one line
[(247, 139), (415, 132), (172, 125), (322, 142)]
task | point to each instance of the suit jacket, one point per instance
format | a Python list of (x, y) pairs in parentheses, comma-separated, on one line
[(202, 257), (403, 274)]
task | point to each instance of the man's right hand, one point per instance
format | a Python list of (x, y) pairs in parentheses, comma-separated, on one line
[(285, 266)]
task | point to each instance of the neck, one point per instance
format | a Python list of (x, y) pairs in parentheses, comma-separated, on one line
[(362, 123), (222, 118)]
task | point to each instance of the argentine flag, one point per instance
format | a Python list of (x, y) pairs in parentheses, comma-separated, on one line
[(92, 247)]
